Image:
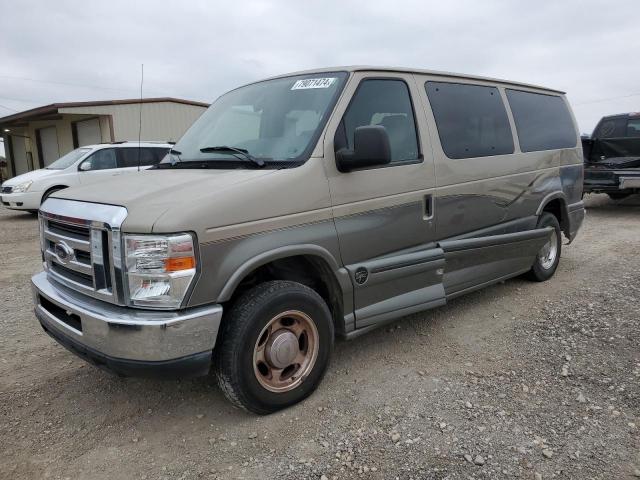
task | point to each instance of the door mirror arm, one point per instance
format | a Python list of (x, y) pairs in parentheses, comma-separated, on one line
[(371, 148)]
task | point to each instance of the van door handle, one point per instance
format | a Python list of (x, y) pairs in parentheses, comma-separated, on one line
[(428, 207)]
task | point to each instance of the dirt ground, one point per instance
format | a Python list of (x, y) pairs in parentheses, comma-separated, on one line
[(520, 380)]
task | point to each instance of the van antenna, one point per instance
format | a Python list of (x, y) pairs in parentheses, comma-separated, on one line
[(140, 120)]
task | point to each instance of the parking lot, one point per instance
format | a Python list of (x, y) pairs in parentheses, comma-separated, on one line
[(520, 380)]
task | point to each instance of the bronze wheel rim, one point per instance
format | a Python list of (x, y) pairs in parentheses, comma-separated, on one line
[(285, 351)]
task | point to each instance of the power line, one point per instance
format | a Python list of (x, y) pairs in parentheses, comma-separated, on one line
[(8, 108), (606, 99), (156, 92), (9, 77), (25, 100)]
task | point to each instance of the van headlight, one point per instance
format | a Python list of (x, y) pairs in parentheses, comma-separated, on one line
[(159, 268), (21, 187)]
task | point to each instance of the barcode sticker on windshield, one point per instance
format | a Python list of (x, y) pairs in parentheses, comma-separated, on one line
[(313, 83)]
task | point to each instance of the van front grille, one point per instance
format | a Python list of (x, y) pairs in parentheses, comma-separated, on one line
[(74, 231), (78, 277), (83, 257), (77, 253), (82, 247)]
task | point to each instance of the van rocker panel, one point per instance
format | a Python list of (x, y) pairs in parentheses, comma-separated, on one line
[(408, 282), (481, 260)]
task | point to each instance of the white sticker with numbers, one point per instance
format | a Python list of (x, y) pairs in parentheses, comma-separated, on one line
[(313, 83)]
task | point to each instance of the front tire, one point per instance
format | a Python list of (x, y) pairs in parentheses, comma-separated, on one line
[(548, 257), (274, 347)]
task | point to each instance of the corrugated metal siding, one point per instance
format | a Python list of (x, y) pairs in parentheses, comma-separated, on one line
[(163, 121), (63, 131)]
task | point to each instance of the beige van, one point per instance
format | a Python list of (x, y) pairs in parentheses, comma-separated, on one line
[(304, 207)]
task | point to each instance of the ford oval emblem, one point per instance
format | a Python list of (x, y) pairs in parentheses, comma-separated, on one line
[(64, 252)]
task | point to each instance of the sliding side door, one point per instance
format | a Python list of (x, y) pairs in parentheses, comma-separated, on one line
[(483, 206)]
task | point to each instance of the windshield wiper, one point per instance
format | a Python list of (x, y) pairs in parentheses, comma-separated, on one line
[(236, 152)]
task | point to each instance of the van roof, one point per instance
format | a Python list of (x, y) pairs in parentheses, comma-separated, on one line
[(360, 68)]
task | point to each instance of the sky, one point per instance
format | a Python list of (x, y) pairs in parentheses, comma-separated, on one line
[(80, 50)]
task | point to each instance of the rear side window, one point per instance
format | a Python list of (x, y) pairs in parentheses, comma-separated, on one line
[(387, 103), (471, 119), (543, 121), (611, 128), (148, 156), (633, 128)]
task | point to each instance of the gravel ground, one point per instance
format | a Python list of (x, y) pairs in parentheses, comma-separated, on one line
[(520, 380)]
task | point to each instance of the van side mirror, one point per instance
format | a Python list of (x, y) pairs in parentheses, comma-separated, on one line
[(85, 166), (371, 148)]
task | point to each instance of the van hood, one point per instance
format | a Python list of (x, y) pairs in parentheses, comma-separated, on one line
[(148, 194), (29, 176)]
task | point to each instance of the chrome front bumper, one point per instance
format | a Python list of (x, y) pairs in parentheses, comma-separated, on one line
[(120, 337)]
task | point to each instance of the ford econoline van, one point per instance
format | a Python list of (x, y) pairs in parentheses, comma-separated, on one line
[(307, 207)]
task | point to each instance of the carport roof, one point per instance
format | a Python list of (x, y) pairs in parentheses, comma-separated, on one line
[(53, 108)]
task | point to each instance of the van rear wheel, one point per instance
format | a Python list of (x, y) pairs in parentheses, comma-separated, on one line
[(275, 346), (548, 257)]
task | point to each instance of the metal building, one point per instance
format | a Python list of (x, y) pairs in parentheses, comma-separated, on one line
[(35, 138)]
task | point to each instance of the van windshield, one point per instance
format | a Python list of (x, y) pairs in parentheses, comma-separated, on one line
[(273, 121), (67, 160)]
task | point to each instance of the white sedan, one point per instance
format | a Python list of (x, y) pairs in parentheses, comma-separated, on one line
[(81, 166)]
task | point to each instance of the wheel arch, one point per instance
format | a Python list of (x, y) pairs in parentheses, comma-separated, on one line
[(51, 189), (310, 265), (556, 204)]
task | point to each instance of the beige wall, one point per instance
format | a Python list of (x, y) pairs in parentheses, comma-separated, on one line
[(162, 121), (20, 148), (63, 131)]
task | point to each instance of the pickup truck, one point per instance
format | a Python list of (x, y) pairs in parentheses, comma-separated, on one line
[(612, 156)]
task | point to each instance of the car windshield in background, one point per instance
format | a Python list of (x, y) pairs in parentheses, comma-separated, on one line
[(275, 121), (69, 159)]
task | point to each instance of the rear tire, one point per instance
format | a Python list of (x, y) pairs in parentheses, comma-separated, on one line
[(274, 347), (548, 257)]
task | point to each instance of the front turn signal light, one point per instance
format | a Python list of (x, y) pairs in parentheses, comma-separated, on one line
[(179, 263)]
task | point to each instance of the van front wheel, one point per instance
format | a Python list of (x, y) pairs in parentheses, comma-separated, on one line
[(548, 257), (274, 347)]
